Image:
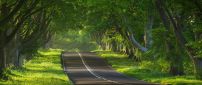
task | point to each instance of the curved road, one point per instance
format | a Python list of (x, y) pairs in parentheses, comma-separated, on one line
[(86, 68)]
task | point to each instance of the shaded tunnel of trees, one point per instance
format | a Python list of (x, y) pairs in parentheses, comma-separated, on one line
[(143, 29)]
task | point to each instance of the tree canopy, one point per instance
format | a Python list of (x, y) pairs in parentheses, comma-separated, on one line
[(154, 30)]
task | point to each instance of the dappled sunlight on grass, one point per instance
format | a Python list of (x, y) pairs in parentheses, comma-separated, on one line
[(51, 52), (143, 70), (116, 60), (44, 69), (179, 80)]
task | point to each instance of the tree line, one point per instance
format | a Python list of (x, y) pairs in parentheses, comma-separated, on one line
[(24, 27), (160, 29)]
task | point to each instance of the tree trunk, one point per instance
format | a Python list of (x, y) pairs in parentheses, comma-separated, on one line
[(136, 44), (131, 54), (176, 66), (2, 62), (148, 28), (114, 46), (128, 52), (198, 68), (182, 41), (20, 61)]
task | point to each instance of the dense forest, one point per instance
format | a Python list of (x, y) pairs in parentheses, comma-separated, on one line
[(165, 32)]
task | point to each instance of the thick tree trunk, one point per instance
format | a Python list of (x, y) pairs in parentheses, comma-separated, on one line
[(2, 62), (198, 66), (181, 39), (148, 35), (131, 53), (20, 61), (17, 59), (176, 63), (176, 66), (176, 69), (148, 28)]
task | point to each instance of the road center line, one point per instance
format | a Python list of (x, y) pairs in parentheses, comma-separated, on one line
[(94, 74)]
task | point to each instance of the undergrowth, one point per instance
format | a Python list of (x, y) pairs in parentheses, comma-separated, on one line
[(145, 70), (43, 69)]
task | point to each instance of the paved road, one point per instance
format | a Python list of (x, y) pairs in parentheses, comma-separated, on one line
[(86, 68)]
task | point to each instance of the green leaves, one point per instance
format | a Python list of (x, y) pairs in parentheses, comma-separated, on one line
[(196, 46)]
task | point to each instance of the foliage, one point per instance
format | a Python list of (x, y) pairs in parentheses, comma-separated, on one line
[(73, 40), (146, 70), (164, 32)]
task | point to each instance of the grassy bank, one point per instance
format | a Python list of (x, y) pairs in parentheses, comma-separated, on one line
[(44, 69), (142, 71)]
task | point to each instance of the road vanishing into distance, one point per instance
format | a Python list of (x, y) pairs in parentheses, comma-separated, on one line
[(86, 68)]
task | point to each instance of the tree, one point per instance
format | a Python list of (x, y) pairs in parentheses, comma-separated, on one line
[(14, 17)]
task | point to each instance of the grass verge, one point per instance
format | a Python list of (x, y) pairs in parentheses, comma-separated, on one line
[(122, 64), (43, 69)]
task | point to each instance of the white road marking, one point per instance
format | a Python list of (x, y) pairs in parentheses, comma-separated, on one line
[(94, 74)]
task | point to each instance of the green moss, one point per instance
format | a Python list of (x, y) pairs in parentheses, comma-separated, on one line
[(144, 70), (44, 69)]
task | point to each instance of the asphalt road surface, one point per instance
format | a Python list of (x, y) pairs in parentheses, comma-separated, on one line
[(86, 68)]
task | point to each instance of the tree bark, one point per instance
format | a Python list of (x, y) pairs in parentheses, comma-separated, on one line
[(2, 62), (176, 65), (178, 34), (176, 68), (198, 66), (148, 28), (136, 44)]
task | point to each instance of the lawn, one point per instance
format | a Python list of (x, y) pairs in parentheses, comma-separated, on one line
[(43, 69), (122, 64)]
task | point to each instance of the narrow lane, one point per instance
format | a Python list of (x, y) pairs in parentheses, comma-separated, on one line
[(86, 68)]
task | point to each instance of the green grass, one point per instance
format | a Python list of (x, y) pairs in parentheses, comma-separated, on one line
[(44, 69), (144, 71)]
